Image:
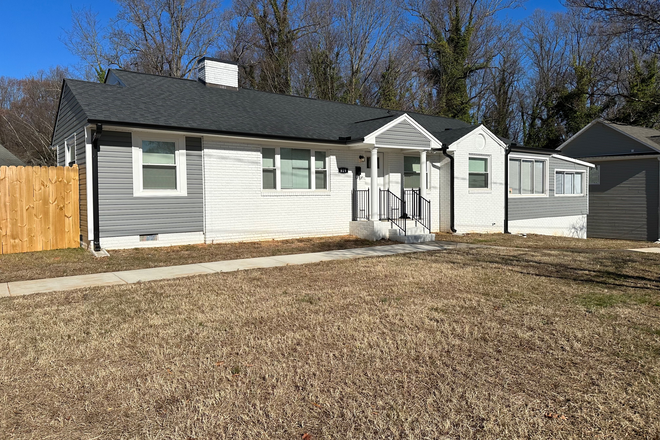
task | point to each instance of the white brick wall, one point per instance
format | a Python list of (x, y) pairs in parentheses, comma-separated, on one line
[(479, 210), (567, 226), (237, 209)]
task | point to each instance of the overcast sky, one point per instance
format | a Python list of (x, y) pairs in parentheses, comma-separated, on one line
[(31, 32)]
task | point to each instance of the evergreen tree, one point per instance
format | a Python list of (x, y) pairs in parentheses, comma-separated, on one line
[(642, 102)]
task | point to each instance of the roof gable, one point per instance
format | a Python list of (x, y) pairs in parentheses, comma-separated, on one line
[(602, 138), (7, 159), (403, 132)]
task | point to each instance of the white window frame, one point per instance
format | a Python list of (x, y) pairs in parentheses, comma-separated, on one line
[(489, 159), (69, 155), (278, 171), (585, 184), (179, 161), (546, 190)]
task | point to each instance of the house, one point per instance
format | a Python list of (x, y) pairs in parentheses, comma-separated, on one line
[(167, 161), (7, 159), (625, 186)]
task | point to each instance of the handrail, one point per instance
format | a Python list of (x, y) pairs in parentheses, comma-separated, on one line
[(418, 208), (360, 204), (393, 209)]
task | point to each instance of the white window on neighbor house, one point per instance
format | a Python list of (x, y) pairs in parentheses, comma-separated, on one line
[(528, 176), (70, 150), (479, 173), (294, 168), (569, 183), (594, 176), (159, 166)]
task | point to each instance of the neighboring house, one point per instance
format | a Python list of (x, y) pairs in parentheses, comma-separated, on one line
[(177, 161), (9, 160), (625, 186)]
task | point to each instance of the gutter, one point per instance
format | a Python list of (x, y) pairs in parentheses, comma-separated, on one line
[(451, 188), (95, 185)]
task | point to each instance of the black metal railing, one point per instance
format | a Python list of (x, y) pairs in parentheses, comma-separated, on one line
[(360, 204), (393, 209), (418, 208)]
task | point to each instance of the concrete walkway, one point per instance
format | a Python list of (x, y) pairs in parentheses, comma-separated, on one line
[(20, 288), (650, 250)]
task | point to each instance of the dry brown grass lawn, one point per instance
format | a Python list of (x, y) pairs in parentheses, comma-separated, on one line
[(66, 262), (470, 343), (534, 241)]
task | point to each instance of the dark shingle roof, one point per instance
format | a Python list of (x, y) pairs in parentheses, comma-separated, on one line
[(648, 136), (150, 100), (9, 160)]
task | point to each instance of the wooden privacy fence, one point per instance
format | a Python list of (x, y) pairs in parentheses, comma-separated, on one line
[(38, 209)]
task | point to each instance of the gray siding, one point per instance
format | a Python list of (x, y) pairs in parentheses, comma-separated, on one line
[(625, 203), (72, 119), (601, 140), (522, 208), (403, 135), (121, 214)]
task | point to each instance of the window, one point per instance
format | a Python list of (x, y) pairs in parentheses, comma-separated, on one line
[(320, 170), (268, 166), (159, 165), (478, 173), (411, 172), (569, 183), (294, 168), (70, 151), (527, 176), (594, 176)]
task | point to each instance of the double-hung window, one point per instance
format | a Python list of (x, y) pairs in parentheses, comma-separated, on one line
[(294, 168), (594, 176), (479, 175), (569, 183), (70, 150), (159, 165), (527, 176)]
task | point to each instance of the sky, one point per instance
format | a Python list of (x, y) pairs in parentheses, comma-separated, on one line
[(32, 31)]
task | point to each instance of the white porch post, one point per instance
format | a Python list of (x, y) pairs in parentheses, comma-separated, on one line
[(422, 173), (375, 196)]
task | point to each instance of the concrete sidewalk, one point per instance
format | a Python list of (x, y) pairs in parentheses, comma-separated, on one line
[(651, 250), (19, 288)]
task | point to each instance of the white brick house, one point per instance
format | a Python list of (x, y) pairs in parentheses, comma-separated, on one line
[(168, 161)]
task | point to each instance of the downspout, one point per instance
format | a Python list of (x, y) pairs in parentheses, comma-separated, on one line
[(507, 150), (95, 185), (451, 188)]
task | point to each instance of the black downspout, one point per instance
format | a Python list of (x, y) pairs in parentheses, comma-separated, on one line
[(451, 188), (95, 185), (506, 187)]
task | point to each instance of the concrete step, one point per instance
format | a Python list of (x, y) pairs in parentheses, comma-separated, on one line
[(417, 238), (410, 230)]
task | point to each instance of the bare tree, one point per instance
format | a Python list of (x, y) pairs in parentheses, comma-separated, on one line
[(163, 37), (27, 120)]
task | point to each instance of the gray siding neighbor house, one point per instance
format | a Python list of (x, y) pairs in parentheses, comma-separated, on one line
[(624, 201), (168, 161), (7, 159)]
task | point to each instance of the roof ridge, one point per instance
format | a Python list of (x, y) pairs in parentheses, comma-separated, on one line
[(299, 97)]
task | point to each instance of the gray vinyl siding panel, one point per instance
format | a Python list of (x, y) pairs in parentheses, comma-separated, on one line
[(70, 118), (601, 140), (625, 203), (403, 134), (523, 208), (121, 214), (82, 181)]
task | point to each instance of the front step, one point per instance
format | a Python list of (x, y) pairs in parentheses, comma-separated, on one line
[(416, 238)]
